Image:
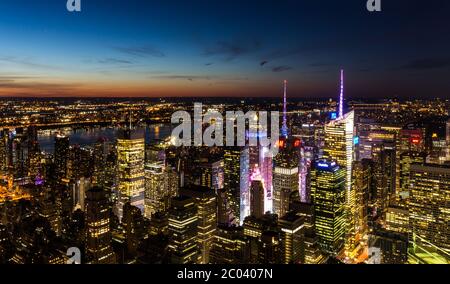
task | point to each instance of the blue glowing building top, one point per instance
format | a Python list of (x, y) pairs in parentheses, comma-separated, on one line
[(326, 165)]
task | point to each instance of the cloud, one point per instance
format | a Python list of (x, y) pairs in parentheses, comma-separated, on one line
[(141, 51), (38, 89), (208, 64), (26, 62), (428, 63), (22, 85), (114, 61), (199, 77), (280, 54), (12, 84), (14, 77), (233, 78), (5, 81), (281, 68), (182, 77), (230, 50)]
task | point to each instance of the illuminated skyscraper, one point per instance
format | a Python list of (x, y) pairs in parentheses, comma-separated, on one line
[(361, 181), (244, 184), (61, 156), (255, 160), (374, 138), (384, 173), (206, 202), (429, 203), (155, 189), (102, 149), (183, 226), (406, 159), (266, 168), (319, 138), (409, 139), (292, 228), (448, 139), (312, 252), (80, 162), (328, 196), (307, 157), (4, 156), (412, 139), (18, 153), (261, 164), (438, 151), (370, 141), (34, 154), (232, 177), (130, 167), (397, 220), (254, 227), (160, 186), (285, 174), (98, 231), (339, 146)]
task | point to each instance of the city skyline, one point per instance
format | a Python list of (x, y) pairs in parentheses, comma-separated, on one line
[(348, 189), (217, 133), (223, 49)]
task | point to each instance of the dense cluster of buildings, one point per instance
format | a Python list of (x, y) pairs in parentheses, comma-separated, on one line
[(345, 187)]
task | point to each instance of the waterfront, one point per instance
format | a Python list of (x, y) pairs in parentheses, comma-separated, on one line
[(88, 136)]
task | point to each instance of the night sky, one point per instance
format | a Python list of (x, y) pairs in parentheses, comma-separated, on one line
[(224, 48)]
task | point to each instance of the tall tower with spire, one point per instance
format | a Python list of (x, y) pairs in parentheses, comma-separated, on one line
[(341, 96), (339, 146), (284, 129)]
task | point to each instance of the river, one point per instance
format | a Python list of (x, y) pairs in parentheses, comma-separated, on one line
[(88, 136)]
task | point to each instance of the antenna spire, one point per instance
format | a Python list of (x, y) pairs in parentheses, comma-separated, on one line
[(131, 119), (341, 96), (284, 129)]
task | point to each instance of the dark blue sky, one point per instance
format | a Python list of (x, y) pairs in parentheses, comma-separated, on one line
[(224, 48)]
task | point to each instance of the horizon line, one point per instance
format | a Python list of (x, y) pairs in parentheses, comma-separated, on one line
[(350, 98)]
